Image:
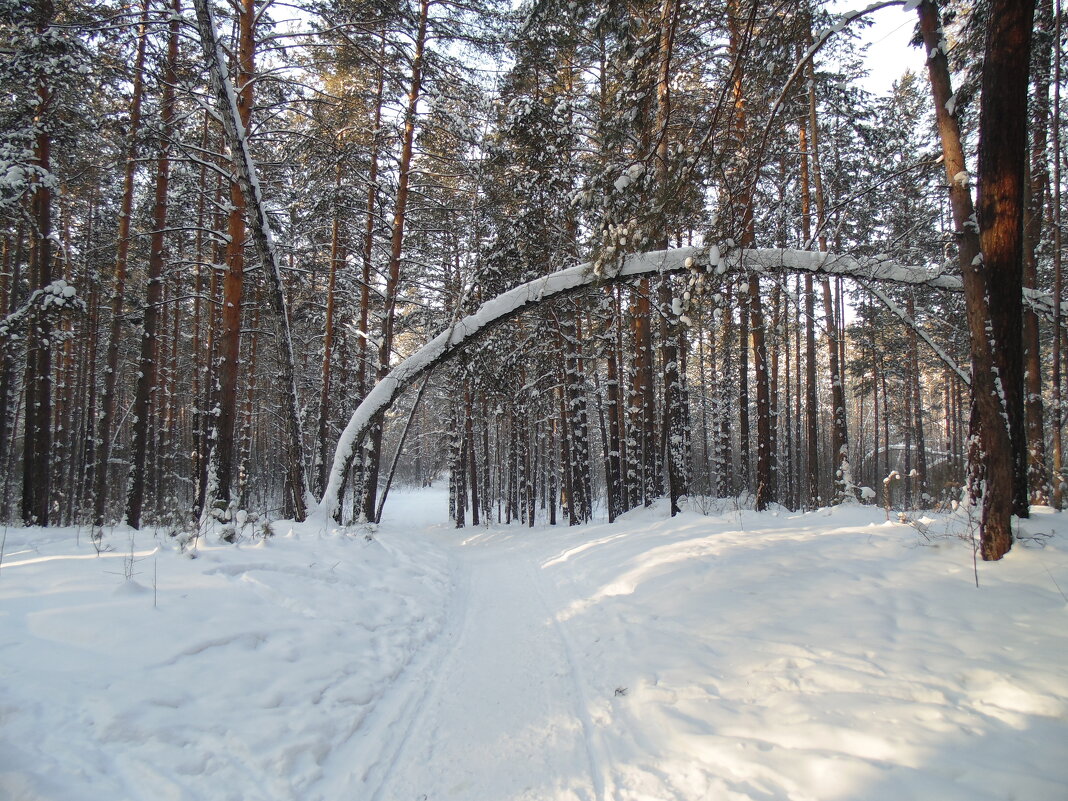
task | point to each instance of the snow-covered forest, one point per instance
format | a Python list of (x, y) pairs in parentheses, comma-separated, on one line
[(222, 226), (628, 294)]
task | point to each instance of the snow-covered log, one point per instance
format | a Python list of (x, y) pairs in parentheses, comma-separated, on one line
[(263, 238), (504, 307)]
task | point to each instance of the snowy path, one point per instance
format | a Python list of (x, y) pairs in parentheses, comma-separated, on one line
[(728, 658), (828, 656), (504, 715)]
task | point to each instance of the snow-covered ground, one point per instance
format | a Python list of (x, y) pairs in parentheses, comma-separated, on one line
[(821, 656)]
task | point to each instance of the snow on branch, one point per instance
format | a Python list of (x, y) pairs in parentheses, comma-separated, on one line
[(574, 279), (964, 376), (57, 295)]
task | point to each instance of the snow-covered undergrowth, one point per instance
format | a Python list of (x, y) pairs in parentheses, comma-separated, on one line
[(737, 657)]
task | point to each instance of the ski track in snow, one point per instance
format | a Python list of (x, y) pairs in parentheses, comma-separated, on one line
[(503, 715), (368, 758)]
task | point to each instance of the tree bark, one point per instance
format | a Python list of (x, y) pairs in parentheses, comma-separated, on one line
[(999, 209), (37, 441), (1058, 276), (1034, 209), (147, 365), (105, 422), (385, 352), (990, 400), (234, 113)]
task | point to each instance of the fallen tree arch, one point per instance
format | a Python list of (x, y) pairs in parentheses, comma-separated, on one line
[(502, 308)]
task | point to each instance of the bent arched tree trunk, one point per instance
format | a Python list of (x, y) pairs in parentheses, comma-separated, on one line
[(504, 307)]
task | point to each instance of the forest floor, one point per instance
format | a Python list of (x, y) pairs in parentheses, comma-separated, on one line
[(728, 655)]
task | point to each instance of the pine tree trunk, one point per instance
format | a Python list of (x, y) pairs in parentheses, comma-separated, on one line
[(839, 432), (1037, 190), (999, 209), (744, 461), (1058, 276), (234, 281), (643, 418), (727, 485), (322, 429), (147, 365), (921, 485), (374, 453), (37, 441), (765, 490), (235, 109), (990, 408), (812, 476), (812, 471), (107, 401), (472, 457), (614, 467)]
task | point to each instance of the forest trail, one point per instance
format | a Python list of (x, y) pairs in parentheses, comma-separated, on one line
[(502, 713), (731, 655)]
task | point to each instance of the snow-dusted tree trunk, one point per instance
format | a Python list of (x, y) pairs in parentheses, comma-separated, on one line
[(37, 442), (325, 394), (614, 442), (673, 429), (1058, 275), (393, 276), (234, 121), (147, 366), (987, 389), (999, 205), (104, 424), (1034, 211)]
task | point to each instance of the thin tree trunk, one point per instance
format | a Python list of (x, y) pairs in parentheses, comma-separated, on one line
[(400, 450), (328, 339), (614, 472), (839, 432), (1058, 277), (374, 453), (147, 366), (1037, 189), (916, 392), (472, 462), (37, 442), (107, 401)]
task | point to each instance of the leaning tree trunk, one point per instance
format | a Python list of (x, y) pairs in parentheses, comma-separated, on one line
[(988, 392), (234, 114)]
